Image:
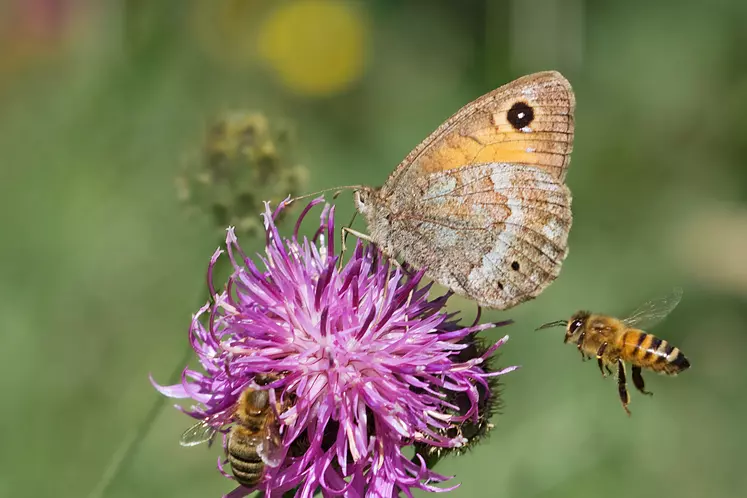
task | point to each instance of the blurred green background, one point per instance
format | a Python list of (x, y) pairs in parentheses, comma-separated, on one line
[(101, 101)]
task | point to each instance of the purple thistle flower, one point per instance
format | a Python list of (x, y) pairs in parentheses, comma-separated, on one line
[(361, 364)]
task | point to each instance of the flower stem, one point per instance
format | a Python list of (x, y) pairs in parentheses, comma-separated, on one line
[(121, 459)]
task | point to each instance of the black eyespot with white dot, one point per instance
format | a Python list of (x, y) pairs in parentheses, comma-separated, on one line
[(515, 266), (576, 325), (520, 115)]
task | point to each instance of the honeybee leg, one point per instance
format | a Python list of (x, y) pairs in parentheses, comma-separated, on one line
[(609, 370), (600, 352), (638, 381), (579, 343), (622, 388)]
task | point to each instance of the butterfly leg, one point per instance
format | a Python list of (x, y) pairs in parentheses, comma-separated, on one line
[(347, 230), (363, 236), (600, 362), (344, 237), (344, 233), (622, 388), (638, 381)]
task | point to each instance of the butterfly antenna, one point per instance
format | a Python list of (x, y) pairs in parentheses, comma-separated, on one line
[(338, 191)]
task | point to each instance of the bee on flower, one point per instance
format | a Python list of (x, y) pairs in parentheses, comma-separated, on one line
[(345, 366)]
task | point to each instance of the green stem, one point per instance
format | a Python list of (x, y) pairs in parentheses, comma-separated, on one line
[(122, 458)]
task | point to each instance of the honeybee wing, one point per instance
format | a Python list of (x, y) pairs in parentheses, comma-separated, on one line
[(199, 433), (270, 449), (652, 312)]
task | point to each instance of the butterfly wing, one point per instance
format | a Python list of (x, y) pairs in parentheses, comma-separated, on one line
[(528, 121), (495, 232), (482, 202)]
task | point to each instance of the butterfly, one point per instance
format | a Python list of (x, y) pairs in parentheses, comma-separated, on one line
[(482, 202)]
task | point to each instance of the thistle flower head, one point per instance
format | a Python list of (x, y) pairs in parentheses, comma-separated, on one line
[(359, 363)]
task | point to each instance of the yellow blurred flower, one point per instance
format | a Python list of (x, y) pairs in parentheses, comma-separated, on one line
[(317, 47)]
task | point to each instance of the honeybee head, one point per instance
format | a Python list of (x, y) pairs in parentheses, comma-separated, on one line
[(576, 325), (252, 403), (573, 327)]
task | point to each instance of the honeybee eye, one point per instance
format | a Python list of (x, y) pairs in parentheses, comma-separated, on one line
[(575, 325)]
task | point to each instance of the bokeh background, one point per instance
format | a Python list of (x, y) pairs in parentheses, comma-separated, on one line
[(102, 103)]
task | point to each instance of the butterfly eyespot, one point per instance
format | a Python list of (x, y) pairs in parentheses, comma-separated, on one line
[(520, 115), (515, 266)]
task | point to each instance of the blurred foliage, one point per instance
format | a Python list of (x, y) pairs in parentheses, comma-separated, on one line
[(101, 268), (243, 162)]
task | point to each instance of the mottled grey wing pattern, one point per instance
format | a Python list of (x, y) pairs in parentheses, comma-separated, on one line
[(496, 233)]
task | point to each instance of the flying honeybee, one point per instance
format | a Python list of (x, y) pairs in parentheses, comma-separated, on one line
[(616, 341), (254, 440)]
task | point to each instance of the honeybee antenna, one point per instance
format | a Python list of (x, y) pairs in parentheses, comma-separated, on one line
[(337, 189), (556, 323)]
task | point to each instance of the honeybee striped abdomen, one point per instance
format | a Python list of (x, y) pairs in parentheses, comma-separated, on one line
[(648, 351), (246, 464)]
